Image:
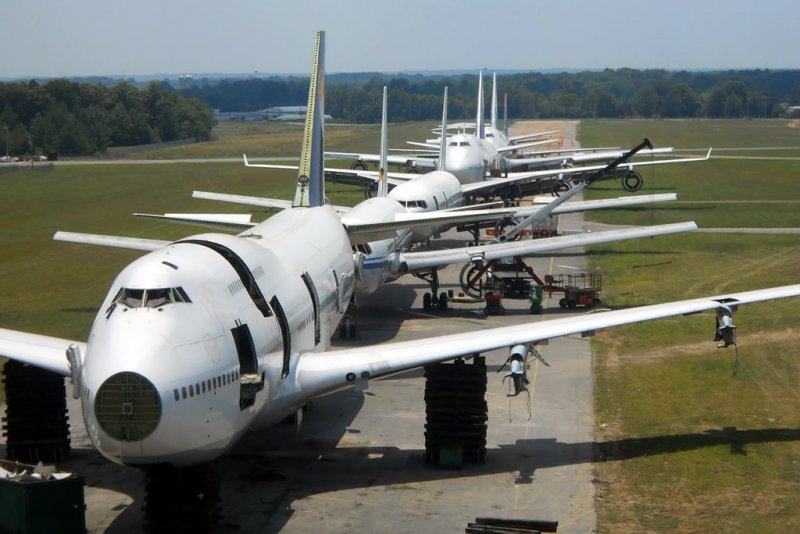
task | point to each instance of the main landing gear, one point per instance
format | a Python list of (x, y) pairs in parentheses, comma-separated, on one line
[(429, 300)]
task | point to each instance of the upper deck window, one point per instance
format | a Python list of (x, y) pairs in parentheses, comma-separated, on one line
[(150, 298)]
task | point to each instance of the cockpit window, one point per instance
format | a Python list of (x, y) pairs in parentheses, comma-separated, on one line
[(464, 143), (452, 143), (150, 298), (489, 135), (415, 204)]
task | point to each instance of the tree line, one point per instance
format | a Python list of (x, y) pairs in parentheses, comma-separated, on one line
[(61, 117), (620, 93)]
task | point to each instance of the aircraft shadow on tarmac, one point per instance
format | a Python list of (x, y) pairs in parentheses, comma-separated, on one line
[(268, 470)]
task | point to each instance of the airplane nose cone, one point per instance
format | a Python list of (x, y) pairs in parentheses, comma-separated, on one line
[(127, 407)]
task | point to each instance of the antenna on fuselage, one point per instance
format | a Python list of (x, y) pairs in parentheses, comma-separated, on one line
[(443, 140), (310, 190), (480, 128), (383, 185)]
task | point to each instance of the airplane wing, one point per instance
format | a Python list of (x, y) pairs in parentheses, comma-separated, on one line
[(565, 159), (41, 351), (516, 138), (512, 148), (218, 221), (518, 177), (618, 202), (418, 261), (394, 178), (361, 232), (254, 201), (323, 372), (133, 243), (409, 160)]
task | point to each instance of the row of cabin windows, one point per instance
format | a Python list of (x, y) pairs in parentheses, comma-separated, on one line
[(150, 298), (205, 387)]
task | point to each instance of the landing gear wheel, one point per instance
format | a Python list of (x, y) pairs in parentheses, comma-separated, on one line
[(443, 302), (561, 187), (632, 182), (426, 301), (470, 281)]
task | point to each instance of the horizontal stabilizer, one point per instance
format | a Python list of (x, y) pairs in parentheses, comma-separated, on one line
[(133, 243), (242, 199), (217, 221)]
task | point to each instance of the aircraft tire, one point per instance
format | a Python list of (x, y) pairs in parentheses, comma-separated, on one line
[(426, 301), (632, 182), (443, 302)]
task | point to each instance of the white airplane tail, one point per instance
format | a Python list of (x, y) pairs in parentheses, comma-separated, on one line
[(443, 139), (480, 128), (495, 121), (310, 190), (383, 185)]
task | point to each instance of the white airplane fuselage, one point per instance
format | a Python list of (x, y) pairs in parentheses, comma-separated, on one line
[(161, 382), (430, 192), (468, 158)]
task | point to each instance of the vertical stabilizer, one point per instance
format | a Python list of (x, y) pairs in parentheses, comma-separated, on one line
[(480, 128), (505, 114), (443, 141), (310, 190), (495, 121), (383, 185)]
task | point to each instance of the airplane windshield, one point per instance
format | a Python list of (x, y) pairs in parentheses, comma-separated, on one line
[(150, 298)]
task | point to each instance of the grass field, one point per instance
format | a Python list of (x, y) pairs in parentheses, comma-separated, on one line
[(687, 445)]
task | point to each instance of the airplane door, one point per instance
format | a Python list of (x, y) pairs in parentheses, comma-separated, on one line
[(245, 348), (286, 334)]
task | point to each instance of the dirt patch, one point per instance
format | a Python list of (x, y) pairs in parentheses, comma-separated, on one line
[(567, 131)]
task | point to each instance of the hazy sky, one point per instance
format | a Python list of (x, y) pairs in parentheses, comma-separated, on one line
[(105, 37)]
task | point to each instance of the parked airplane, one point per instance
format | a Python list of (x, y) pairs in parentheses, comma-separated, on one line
[(433, 200), (205, 338), (479, 160)]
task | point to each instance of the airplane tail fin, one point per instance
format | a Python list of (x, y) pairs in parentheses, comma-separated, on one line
[(443, 140), (310, 190), (383, 185), (495, 121), (480, 128), (505, 114)]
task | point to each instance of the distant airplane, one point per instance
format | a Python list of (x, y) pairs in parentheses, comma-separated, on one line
[(207, 337), (473, 158)]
